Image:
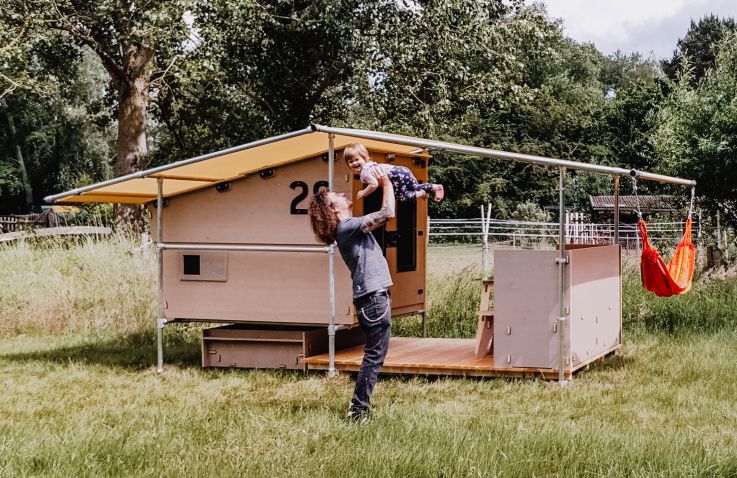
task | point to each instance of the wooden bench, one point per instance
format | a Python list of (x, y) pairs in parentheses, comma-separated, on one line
[(485, 328)]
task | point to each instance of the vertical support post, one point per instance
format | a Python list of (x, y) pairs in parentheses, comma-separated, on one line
[(616, 210), (331, 323), (423, 313), (562, 279), (331, 266), (161, 320), (484, 244)]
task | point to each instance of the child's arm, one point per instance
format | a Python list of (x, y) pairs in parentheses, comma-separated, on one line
[(370, 181), (367, 190)]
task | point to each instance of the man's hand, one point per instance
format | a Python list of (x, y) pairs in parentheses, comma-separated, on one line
[(380, 175)]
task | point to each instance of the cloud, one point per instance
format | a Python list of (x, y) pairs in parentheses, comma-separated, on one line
[(652, 26)]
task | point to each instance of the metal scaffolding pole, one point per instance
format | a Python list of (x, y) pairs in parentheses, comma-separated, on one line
[(563, 165), (562, 279), (492, 153), (485, 222), (616, 209), (241, 248), (331, 266), (161, 320)]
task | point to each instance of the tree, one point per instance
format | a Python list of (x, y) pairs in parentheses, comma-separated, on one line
[(622, 70), (49, 121), (126, 37), (699, 46), (493, 74), (697, 132), (266, 68), (54, 124)]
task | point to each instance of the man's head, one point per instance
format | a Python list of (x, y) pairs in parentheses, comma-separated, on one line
[(326, 210)]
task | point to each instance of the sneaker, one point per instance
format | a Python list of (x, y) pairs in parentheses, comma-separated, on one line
[(357, 416)]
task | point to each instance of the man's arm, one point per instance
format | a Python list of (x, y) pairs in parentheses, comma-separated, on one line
[(369, 222)]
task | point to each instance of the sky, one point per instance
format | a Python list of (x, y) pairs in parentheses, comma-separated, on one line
[(651, 27)]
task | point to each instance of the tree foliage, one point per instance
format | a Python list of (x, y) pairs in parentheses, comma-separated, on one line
[(54, 124), (125, 36), (697, 131), (493, 73), (699, 47)]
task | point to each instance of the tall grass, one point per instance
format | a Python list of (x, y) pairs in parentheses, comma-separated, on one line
[(77, 286), (104, 288), (452, 306), (710, 306)]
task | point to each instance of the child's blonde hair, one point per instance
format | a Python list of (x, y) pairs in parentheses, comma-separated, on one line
[(356, 150)]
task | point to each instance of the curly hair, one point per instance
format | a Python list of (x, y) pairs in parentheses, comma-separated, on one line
[(324, 220)]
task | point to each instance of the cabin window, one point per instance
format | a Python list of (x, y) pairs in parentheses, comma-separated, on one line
[(203, 266), (406, 239), (191, 265)]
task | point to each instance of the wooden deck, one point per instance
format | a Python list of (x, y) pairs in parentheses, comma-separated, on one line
[(429, 356)]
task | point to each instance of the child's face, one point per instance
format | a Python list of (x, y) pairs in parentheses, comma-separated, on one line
[(356, 163)]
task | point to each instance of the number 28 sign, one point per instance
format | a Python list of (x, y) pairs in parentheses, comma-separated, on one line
[(303, 189)]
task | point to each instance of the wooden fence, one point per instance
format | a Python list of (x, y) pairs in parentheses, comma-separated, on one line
[(28, 221)]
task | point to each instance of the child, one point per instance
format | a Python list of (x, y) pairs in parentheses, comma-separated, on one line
[(406, 186)]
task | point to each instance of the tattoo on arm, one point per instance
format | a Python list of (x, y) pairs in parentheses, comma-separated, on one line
[(369, 222)]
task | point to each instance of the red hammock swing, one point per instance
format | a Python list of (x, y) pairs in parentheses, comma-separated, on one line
[(677, 276)]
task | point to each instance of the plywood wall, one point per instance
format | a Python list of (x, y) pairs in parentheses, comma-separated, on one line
[(265, 286)]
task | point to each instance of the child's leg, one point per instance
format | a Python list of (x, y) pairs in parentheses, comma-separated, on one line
[(401, 178), (402, 192), (414, 187)]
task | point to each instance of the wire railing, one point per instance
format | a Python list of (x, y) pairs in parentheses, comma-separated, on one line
[(532, 233)]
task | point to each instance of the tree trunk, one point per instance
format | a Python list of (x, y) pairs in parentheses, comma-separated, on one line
[(132, 150), (21, 164)]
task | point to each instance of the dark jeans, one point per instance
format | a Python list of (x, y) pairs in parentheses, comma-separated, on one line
[(374, 316)]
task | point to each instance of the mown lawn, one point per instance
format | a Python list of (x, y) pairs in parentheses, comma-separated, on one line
[(86, 401)]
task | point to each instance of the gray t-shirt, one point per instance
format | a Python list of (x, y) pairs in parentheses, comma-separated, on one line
[(363, 256)]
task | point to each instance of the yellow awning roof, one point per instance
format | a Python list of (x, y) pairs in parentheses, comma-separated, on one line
[(227, 165)]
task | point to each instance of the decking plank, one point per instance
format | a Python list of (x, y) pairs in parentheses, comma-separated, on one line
[(429, 356)]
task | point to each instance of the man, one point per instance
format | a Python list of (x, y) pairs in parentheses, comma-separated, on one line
[(332, 220)]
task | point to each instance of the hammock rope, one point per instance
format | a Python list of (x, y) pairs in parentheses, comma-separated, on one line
[(676, 277)]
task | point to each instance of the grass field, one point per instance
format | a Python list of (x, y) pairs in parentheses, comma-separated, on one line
[(81, 397)]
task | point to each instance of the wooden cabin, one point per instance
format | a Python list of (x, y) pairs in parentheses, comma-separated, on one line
[(235, 247), (259, 195), (270, 207)]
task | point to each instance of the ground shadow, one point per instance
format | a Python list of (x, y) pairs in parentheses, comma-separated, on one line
[(136, 351)]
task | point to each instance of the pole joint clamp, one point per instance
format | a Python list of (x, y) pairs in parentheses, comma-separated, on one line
[(160, 323), (561, 260)]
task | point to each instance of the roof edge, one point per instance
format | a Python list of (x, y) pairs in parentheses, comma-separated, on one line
[(142, 174)]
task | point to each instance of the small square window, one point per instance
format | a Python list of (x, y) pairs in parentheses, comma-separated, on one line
[(191, 265)]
